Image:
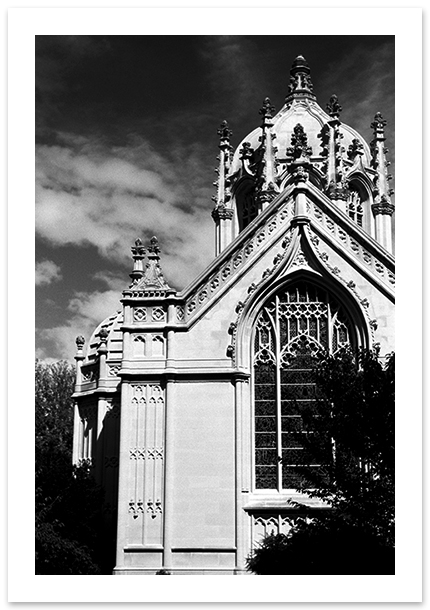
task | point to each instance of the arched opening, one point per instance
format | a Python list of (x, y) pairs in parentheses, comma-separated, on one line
[(294, 324), (246, 204), (358, 204)]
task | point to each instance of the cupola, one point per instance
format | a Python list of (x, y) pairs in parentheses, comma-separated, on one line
[(338, 160)]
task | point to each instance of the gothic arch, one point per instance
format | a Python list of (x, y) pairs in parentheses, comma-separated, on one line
[(246, 324), (359, 201), (293, 318)]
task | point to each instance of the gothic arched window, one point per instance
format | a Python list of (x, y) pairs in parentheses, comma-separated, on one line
[(248, 209), (294, 325), (354, 207)]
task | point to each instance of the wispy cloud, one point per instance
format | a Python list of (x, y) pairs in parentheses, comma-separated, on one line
[(90, 193), (47, 272)]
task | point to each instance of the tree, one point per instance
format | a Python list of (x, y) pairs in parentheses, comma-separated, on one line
[(67, 499), (350, 427)]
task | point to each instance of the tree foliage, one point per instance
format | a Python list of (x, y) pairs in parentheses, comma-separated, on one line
[(352, 424), (67, 500)]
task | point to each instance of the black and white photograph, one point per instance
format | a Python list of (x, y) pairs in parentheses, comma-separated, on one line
[(215, 321)]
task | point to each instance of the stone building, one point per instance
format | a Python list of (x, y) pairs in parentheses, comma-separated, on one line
[(185, 401)]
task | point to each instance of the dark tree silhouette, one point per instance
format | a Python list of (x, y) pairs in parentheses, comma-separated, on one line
[(67, 499), (351, 423)]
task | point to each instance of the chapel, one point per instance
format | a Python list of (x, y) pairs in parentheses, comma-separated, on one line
[(188, 403)]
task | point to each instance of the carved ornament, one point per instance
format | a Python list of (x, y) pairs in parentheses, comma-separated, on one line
[(333, 107)]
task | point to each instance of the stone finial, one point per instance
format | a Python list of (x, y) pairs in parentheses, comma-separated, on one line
[(138, 248), (224, 133), (152, 278), (267, 110), (355, 148), (333, 107), (378, 123), (382, 190), (154, 248), (300, 80), (138, 252), (80, 342), (103, 334), (246, 151), (299, 141)]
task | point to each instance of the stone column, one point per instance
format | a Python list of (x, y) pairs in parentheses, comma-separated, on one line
[(168, 472), (242, 409), (383, 212)]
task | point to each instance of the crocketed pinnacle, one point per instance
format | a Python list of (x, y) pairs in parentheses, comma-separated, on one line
[(300, 85), (152, 277)]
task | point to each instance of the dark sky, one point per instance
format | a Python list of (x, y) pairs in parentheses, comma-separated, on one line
[(126, 147)]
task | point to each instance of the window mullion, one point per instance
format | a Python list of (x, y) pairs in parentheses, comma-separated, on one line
[(329, 326), (278, 393)]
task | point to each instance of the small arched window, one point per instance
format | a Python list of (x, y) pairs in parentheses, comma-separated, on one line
[(294, 325), (355, 208), (139, 346)]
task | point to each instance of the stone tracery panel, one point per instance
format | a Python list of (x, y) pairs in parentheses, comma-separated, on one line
[(146, 453), (297, 323)]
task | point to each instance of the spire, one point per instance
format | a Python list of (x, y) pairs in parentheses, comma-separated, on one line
[(223, 194), (379, 162), (382, 207), (267, 189), (300, 80), (152, 278)]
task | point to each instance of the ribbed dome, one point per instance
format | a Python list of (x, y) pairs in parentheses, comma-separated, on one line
[(312, 118)]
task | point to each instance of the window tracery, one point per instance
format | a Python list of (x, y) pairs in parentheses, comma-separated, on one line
[(295, 324)]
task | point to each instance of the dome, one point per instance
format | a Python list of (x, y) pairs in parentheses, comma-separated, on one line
[(112, 325), (302, 108)]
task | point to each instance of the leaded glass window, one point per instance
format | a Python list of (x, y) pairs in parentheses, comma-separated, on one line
[(249, 209), (293, 326)]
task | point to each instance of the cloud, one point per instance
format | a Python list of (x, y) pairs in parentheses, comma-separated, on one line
[(90, 193), (47, 272), (86, 311)]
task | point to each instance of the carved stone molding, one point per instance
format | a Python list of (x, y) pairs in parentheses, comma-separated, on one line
[(349, 243), (244, 252)]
